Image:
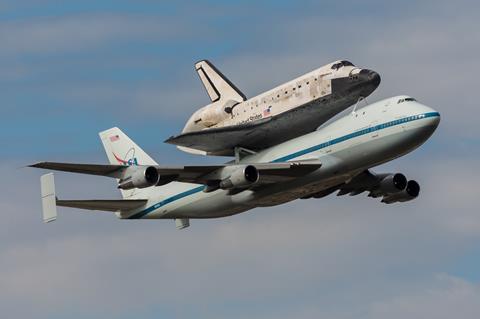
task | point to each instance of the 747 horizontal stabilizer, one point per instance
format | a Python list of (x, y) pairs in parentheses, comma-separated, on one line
[(50, 202)]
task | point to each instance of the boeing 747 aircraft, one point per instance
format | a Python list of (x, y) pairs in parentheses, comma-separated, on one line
[(337, 157)]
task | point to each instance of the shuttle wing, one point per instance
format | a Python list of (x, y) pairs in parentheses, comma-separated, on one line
[(222, 141), (255, 135)]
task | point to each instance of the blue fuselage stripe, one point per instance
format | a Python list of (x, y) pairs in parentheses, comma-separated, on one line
[(167, 201), (295, 155), (356, 134)]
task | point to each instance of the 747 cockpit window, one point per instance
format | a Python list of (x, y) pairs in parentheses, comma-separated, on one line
[(340, 64), (407, 99)]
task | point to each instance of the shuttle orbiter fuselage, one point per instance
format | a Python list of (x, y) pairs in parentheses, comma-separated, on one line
[(285, 112)]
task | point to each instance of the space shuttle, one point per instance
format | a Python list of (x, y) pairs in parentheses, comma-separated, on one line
[(231, 122)]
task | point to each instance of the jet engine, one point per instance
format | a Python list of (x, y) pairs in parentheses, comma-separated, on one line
[(241, 178), (391, 184), (141, 177), (410, 192)]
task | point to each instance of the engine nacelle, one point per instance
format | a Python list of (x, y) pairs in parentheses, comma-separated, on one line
[(140, 178), (410, 192), (392, 183), (240, 178)]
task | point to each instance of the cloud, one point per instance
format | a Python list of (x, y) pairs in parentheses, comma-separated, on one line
[(450, 297), (414, 53), (55, 36), (320, 249), (330, 258)]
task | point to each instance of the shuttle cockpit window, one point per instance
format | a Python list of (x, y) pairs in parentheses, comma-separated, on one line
[(407, 99), (347, 63), (341, 64)]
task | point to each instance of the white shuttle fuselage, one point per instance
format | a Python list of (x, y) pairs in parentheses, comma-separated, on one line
[(287, 111)]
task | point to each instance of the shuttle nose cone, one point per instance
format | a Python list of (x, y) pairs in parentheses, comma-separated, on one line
[(370, 76)]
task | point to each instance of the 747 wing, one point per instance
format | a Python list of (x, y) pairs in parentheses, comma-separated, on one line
[(226, 176)]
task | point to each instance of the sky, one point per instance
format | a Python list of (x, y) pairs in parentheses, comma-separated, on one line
[(70, 69)]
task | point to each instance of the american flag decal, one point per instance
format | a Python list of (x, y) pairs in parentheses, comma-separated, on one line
[(266, 112), (114, 138)]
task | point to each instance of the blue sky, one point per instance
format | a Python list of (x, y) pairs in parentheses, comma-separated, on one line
[(71, 69)]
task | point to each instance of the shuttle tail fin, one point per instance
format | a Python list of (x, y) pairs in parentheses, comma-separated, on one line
[(217, 85)]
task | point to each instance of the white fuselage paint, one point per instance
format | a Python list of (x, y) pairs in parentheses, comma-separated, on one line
[(360, 140), (287, 96)]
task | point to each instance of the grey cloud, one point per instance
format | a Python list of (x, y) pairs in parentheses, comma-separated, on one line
[(448, 297), (430, 56), (331, 258), (67, 34), (267, 254)]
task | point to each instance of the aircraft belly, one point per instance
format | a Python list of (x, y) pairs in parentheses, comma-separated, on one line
[(293, 192)]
